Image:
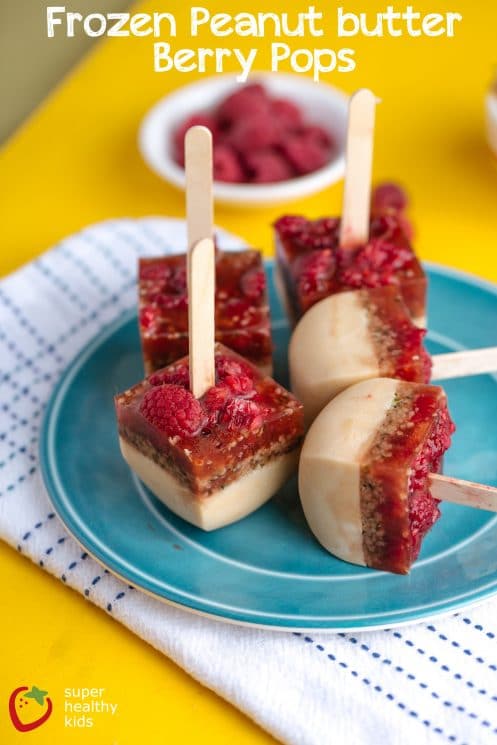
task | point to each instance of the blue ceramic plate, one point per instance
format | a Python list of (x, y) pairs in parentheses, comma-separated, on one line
[(267, 569)]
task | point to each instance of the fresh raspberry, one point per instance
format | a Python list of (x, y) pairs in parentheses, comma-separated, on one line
[(267, 166), (253, 284), (313, 271), (148, 316), (154, 270), (239, 385), (388, 196), (176, 376), (240, 413), (203, 120), (214, 401), (309, 234), (254, 133), (248, 101), (173, 410), (290, 226), (305, 152), (226, 166), (286, 112), (316, 134), (226, 366)]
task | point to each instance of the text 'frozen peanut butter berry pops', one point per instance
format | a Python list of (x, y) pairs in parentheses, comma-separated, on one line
[(318, 258), (353, 336), (209, 435), (369, 477)]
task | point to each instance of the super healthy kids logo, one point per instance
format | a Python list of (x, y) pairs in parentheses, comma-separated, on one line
[(29, 708), (274, 28)]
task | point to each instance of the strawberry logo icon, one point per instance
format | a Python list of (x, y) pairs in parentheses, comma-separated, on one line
[(29, 709)]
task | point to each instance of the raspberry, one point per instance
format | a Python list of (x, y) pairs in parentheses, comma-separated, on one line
[(148, 316), (177, 376), (226, 166), (286, 112), (375, 265), (204, 120), (267, 166), (314, 270), (289, 226), (254, 133), (305, 153), (239, 385), (239, 413), (388, 196), (173, 410), (245, 102), (213, 402), (154, 270), (316, 134), (308, 234), (226, 366), (253, 284)]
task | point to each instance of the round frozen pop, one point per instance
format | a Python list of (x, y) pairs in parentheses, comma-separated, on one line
[(362, 334), (369, 477)]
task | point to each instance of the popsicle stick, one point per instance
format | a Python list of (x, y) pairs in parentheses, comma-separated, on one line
[(359, 163), (201, 325), (198, 168), (463, 492), (466, 362), (200, 259)]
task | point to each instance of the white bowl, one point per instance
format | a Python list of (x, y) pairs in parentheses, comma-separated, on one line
[(320, 103), (491, 109)]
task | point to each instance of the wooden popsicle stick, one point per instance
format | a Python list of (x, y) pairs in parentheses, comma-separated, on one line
[(201, 267), (466, 362), (201, 315), (354, 228), (198, 168), (463, 492)]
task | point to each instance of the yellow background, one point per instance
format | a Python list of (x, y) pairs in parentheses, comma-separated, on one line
[(76, 162)]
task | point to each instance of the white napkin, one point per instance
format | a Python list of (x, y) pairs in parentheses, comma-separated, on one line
[(431, 683)]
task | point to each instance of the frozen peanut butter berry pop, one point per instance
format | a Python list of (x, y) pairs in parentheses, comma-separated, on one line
[(209, 435), (241, 301), (353, 336), (365, 249), (369, 476)]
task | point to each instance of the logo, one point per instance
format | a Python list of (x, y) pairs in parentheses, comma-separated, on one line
[(29, 708)]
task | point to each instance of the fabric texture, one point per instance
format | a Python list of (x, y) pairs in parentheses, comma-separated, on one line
[(430, 683)]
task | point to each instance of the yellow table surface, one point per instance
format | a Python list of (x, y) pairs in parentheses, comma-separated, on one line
[(75, 162)]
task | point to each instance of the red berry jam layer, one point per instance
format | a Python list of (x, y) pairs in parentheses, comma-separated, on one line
[(397, 341), (242, 311), (241, 423), (313, 266), (396, 505)]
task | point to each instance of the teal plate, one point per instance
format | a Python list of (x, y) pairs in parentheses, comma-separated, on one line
[(268, 570)]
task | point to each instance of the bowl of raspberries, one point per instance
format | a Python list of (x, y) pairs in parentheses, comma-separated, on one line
[(275, 139)]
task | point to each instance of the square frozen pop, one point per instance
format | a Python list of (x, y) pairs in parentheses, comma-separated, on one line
[(312, 265), (213, 459), (241, 308), (366, 248)]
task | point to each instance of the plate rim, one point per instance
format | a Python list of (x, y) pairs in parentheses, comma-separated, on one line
[(204, 608)]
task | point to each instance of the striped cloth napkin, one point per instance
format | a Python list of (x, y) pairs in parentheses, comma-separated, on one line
[(430, 683)]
